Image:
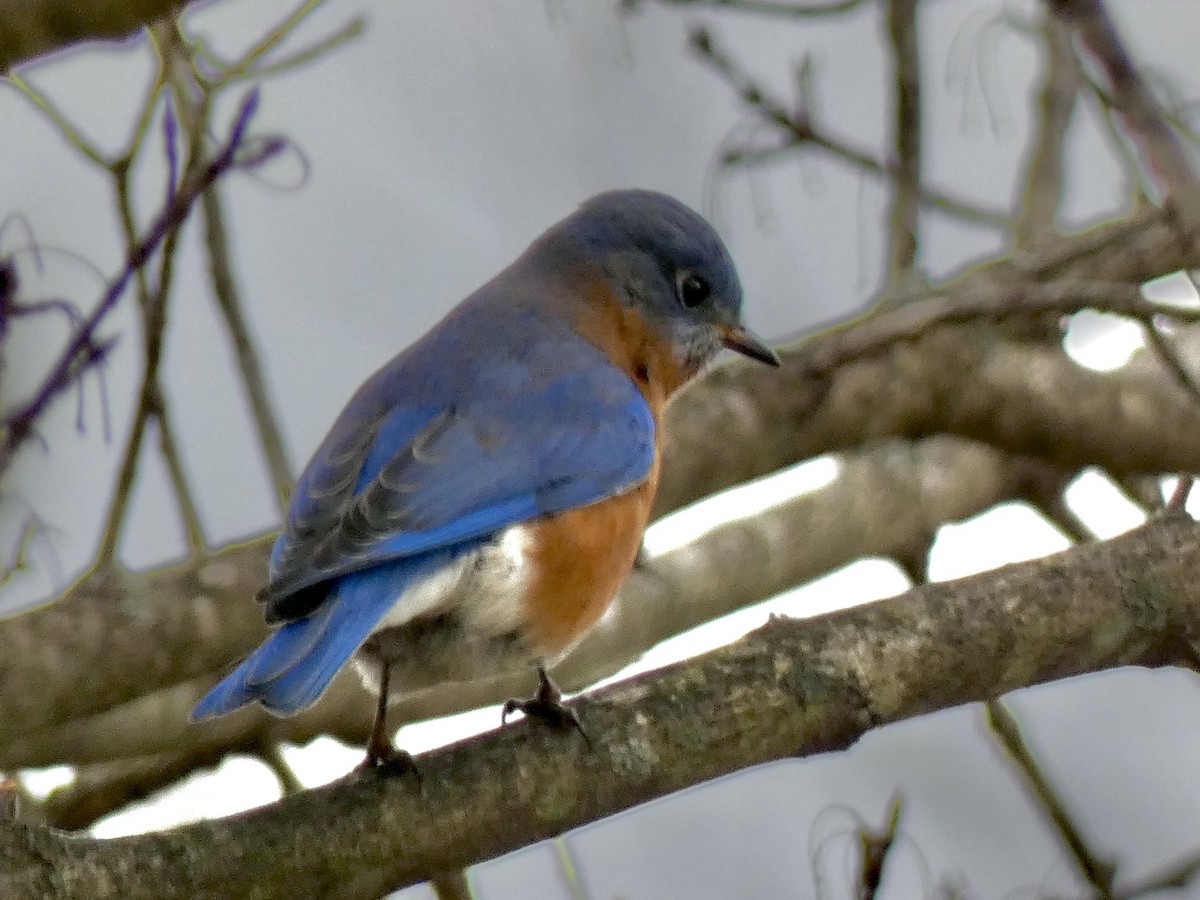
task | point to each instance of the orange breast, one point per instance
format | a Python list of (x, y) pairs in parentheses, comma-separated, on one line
[(579, 559)]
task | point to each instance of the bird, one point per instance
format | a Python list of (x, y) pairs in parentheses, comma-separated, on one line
[(482, 497)]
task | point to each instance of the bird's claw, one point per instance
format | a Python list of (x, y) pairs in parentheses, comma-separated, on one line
[(384, 758), (546, 706)]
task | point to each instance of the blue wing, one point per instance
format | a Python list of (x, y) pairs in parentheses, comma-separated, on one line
[(402, 484), (431, 479)]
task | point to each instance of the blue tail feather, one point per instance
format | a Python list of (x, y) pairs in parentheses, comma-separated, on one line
[(292, 668)]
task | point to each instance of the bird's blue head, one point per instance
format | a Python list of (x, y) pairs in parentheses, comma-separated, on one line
[(669, 264)]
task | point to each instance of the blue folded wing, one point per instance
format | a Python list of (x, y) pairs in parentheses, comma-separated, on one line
[(471, 469)]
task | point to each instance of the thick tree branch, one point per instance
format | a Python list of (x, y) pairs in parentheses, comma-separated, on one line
[(32, 28), (141, 630), (788, 689)]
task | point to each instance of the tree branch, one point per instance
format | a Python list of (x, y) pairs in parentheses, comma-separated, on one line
[(32, 28), (1043, 181), (904, 226), (1157, 144), (790, 688), (1098, 872), (768, 7)]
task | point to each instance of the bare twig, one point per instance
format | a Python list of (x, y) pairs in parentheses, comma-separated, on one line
[(1099, 873), (874, 847), (904, 225), (836, 344), (1166, 354), (766, 7), (193, 89), (1159, 147), (1043, 179), (230, 303), (1181, 875), (153, 303), (83, 349), (801, 131)]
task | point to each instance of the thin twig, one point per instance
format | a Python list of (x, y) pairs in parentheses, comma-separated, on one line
[(904, 221), (229, 301), (765, 7), (1180, 875), (189, 512), (801, 132), (1099, 873), (151, 405), (55, 116), (862, 335), (18, 425), (1170, 359), (1044, 180), (244, 66), (1159, 147), (875, 847), (349, 31)]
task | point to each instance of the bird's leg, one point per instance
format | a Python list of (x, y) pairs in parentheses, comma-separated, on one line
[(382, 754), (546, 706)]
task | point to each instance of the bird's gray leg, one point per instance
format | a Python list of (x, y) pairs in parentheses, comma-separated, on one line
[(382, 754), (546, 706)]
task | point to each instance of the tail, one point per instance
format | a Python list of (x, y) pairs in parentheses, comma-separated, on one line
[(293, 667)]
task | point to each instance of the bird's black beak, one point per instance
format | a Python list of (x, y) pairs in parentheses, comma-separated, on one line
[(742, 340)]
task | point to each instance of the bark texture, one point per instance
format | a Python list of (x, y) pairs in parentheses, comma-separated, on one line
[(791, 688)]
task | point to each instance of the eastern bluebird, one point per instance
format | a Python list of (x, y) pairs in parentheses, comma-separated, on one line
[(482, 497)]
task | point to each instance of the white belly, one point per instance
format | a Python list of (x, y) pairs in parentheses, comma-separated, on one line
[(465, 621), (486, 587)]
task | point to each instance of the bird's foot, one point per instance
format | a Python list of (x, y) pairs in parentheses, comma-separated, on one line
[(384, 758), (546, 706)]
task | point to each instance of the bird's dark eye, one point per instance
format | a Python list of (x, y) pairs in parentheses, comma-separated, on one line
[(692, 289)]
